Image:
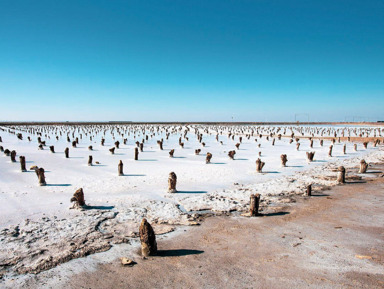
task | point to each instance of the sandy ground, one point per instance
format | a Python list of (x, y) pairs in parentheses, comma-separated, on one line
[(334, 239)]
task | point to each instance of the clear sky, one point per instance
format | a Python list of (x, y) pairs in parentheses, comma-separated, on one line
[(184, 60)]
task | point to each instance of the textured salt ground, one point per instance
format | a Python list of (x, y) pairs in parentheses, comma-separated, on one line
[(39, 244), (334, 239)]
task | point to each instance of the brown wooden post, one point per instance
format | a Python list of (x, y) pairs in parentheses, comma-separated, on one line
[(78, 198), (341, 175), (66, 151), (172, 180), (363, 167), (254, 205), (208, 158), (22, 163), (284, 160), (259, 165), (90, 158), (147, 239), (120, 168), (136, 154)]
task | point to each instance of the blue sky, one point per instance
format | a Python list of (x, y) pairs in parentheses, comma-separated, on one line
[(191, 60)]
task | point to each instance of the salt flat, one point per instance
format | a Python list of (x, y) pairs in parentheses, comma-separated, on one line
[(39, 228)]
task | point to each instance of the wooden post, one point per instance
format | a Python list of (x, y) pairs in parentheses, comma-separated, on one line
[(78, 198), (259, 165), (344, 149), (310, 156), (297, 146), (117, 144), (363, 167), (66, 151), (309, 191), (90, 158), (112, 150), (74, 144), (52, 149), (365, 144), (120, 168), (13, 156), (90, 148), (284, 160), (147, 239), (341, 175), (208, 158), (231, 154), (171, 152), (136, 154), (141, 146), (254, 205), (355, 147), (197, 151), (40, 176), (237, 145), (330, 151), (172, 180), (22, 163)]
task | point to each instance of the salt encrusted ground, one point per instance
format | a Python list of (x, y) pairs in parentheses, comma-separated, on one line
[(39, 230)]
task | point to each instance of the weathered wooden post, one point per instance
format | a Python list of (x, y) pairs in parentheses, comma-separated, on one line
[(231, 154), (365, 144), (112, 150), (321, 142), (90, 148), (78, 198), (344, 149), (284, 160), (259, 165), (237, 145), (141, 146), (90, 158), (171, 152), (102, 141), (197, 151), (254, 205), (66, 151), (208, 158), (52, 149), (363, 167), (74, 144), (311, 143), (310, 156), (309, 191), (273, 142), (13, 156), (341, 175), (40, 176), (120, 168), (355, 147), (172, 180), (136, 154), (117, 144), (147, 239), (297, 146), (330, 151), (22, 163)]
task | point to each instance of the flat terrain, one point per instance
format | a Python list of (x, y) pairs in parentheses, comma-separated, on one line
[(332, 240), (335, 239)]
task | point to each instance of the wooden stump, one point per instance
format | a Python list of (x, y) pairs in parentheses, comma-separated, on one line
[(136, 154), (22, 163), (309, 191), (171, 152), (141, 146), (297, 146), (120, 168), (330, 151), (117, 144), (259, 165), (344, 149), (172, 180), (363, 167), (365, 144), (102, 141), (147, 239), (231, 154), (355, 147), (273, 142), (52, 149), (90, 158), (197, 151), (40, 176), (237, 145), (321, 142), (112, 150), (66, 151), (311, 143), (90, 148), (74, 144), (208, 158), (284, 160), (13, 156), (310, 156), (78, 199), (254, 205), (341, 175)]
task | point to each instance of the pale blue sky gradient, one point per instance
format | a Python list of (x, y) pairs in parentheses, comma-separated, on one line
[(191, 60)]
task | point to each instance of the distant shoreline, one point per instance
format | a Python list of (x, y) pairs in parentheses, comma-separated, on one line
[(182, 123)]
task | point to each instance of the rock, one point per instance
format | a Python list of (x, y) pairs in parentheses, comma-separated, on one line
[(127, 262)]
